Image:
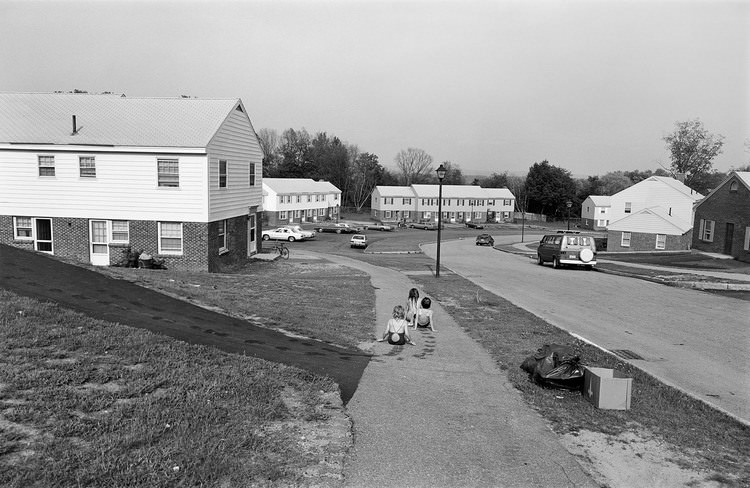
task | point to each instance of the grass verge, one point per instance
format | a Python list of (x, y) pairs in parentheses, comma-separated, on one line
[(90, 403), (713, 441)]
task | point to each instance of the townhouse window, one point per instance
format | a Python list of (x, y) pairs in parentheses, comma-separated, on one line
[(87, 166), (406, 214), (22, 228), (706, 230), (170, 238), (317, 198), (281, 199), (282, 215), (222, 173), (251, 175), (661, 241), (508, 202), (310, 212), (406, 201), (297, 214), (321, 211), (625, 241), (299, 198), (120, 231), (388, 201), (477, 215), (446, 202), (221, 236), (424, 201), (46, 166), (628, 207), (387, 214), (168, 172), (490, 202), (336, 198)]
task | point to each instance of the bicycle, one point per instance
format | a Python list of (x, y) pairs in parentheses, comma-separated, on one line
[(280, 248)]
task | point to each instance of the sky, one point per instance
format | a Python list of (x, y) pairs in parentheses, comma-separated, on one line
[(492, 86)]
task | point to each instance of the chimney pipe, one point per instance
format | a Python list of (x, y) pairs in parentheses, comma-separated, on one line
[(75, 127)]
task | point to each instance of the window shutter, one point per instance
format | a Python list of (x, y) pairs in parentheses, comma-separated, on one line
[(701, 236)]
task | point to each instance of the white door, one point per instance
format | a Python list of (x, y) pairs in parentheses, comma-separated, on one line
[(43, 236), (252, 244), (99, 246)]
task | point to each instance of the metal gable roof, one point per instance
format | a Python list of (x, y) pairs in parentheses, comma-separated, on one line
[(110, 120)]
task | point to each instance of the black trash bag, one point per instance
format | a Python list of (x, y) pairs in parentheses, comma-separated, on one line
[(556, 366)]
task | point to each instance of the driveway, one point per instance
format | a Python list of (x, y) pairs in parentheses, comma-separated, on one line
[(39, 276), (695, 341)]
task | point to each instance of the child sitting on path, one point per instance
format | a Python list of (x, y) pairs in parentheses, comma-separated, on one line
[(425, 318), (397, 331)]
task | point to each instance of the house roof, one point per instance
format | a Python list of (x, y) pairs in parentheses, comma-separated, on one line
[(601, 200), (111, 120), (742, 176), (299, 185), (395, 191), (673, 183), (653, 220), (462, 191)]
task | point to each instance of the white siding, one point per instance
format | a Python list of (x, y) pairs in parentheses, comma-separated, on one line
[(125, 187), (235, 142), (648, 194)]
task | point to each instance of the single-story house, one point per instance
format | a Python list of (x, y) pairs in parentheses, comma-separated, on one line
[(88, 176), (722, 219), (461, 203), (299, 200), (649, 229)]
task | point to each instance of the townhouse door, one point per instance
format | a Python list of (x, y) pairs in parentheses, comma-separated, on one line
[(99, 243), (252, 243), (43, 240), (728, 237)]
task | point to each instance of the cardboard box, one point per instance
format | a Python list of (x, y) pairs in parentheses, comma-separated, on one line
[(607, 388)]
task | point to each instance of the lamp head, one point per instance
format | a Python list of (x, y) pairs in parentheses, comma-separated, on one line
[(440, 172)]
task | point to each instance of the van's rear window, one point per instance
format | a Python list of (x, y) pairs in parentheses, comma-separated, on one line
[(579, 241)]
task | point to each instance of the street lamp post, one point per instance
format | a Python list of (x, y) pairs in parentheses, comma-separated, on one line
[(440, 175), (568, 204)]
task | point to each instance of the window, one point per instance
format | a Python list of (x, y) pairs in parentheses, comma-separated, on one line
[(706, 232), (168, 172), (251, 177), (424, 201), (221, 234), (317, 198), (282, 215), (46, 166), (388, 201), (733, 186), (222, 173), (87, 166), (490, 202), (321, 211), (387, 214), (170, 238), (297, 213), (661, 241), (602, 210), (628, 207), (120, 231), (625, 239), (747, 239), (406, 201), (407, 215), (22, 228), (281, 199), (310, 212)]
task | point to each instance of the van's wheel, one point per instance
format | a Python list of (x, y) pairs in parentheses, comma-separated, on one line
[(539, 260), (556, 263), (266, 237)]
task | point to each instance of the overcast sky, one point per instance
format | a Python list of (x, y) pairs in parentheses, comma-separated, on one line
[(491, 86)]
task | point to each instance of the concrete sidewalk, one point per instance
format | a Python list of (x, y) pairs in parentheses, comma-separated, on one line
[(441, 414)]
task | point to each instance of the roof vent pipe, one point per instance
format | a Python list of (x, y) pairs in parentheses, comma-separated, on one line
[(75, 127)]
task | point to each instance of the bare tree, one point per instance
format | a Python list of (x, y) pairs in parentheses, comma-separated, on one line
[(414, 165), (269, 143), (366, 173)]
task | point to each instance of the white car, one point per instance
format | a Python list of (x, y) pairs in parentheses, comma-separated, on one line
[(307, 234), (358, 240), (282, 234)]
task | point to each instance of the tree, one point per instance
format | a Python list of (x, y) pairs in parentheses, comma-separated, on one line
[(366, 173), (549, 187), (414, 166), (691, 149), (329, 159), (614, 182), (453, 174), (517, 186), (295, 155), (269, 143), (495, 180)]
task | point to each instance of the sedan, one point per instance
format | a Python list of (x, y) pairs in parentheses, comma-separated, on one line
[(474, 225), (485, 240), (380, 226), (282, 234)]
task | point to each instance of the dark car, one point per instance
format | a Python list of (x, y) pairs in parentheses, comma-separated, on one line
[(474, 225), (485, 240)]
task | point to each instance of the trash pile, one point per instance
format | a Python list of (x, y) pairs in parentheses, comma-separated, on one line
[(556, 366), (139, 259)]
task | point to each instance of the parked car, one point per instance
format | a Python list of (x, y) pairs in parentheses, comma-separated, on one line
[(485, 240), (474, 225), (358, 240), (567, 247), (340, 228), (307, 234), (282, 234), (426, 225), (380, 226)]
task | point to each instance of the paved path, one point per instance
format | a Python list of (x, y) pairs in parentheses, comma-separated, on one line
[(441, 414), (96, 295)]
